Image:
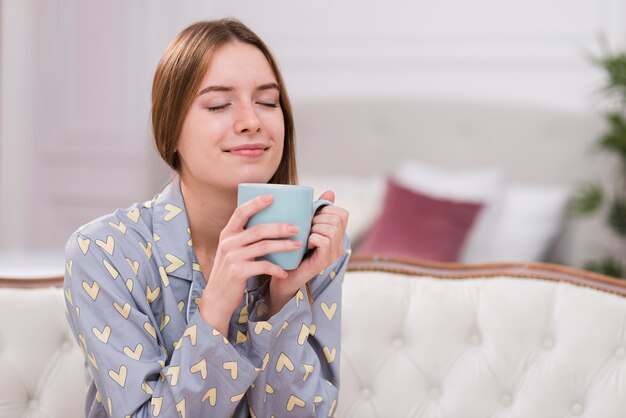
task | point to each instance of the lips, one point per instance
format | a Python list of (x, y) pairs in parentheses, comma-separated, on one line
[(247, 147)]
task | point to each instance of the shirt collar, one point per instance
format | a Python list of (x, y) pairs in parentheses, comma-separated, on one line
[(172, 236)]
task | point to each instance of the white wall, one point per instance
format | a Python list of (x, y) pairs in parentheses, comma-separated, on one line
[(76, 76)]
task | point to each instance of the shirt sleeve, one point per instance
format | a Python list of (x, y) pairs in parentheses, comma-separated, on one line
[(300, 374), (120, 338)]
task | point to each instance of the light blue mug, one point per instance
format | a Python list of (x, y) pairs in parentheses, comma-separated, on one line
[(292, 204)]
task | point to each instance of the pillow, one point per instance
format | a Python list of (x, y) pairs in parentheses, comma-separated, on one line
[(484, 185), (416, 225), (529, 222), (361, 196)]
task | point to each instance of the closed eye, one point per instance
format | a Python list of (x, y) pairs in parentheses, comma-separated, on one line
[(268, 104), (216, 108)]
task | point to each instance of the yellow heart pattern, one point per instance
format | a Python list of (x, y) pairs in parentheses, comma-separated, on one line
[(192, 333), (119, 226), (237, 398), (174, 372), (147, 249), (308, 369), (180, 408), (110, 269), (329, 311), (134, 354), (83, 243), (92, 360), (119, 377), (103, 335), (164, 279), (134, 265), (165, 319), (200, 367), (304, 334), (329, 354), (262, 326), (293, 402), (130, 284), (232, 367), (123, 310), (284, 362), (92, 290), (172, 212), (148, 327), (211, 396), (157, 403), (147, 388), (151, 295), (175, 263), (108, 246), (133, 215)]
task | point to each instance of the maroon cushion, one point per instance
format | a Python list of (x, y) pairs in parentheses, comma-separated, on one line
[(419, 226)]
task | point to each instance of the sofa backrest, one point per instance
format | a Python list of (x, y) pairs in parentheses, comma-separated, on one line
[(418, 340)]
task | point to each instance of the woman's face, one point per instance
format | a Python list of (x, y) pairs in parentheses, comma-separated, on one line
[(236, 105)]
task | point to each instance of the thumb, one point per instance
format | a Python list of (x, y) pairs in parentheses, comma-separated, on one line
[(328, 195)]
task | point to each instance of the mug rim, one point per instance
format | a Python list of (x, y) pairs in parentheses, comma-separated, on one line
[(275, 186)]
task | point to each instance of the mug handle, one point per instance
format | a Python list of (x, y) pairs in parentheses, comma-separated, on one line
[(318, 204)]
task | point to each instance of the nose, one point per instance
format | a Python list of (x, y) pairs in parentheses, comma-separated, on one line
[(247, 120)]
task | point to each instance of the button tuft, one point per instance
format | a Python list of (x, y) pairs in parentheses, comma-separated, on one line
[(548, 343), (506, 400), (434, 392), (33, 404), (398, 342), (577, 409), (474, 339), (366, 393)]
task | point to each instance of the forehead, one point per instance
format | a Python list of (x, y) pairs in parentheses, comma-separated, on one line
[(238, 64)]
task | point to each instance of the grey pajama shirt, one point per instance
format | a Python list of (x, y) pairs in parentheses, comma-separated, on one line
[(132, 283)]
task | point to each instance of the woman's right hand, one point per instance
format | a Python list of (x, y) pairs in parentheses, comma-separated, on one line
[(235, 261)]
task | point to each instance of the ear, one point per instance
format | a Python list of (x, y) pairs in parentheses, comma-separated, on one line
[(328, 195)]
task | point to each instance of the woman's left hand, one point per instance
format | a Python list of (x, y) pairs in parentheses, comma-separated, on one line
[(326, 237)]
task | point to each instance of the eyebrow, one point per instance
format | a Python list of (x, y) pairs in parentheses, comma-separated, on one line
[(266, 86)]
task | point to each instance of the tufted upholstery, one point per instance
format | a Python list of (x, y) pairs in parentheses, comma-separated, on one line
[(519, 341), (41, 367)]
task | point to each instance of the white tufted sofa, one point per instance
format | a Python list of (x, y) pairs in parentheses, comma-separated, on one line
[(418, 340)]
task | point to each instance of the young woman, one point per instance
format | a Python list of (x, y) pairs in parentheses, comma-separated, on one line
[(175, 316)]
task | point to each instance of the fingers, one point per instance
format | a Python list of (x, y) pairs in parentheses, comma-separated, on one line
[(262, 248), (332, 211), (256, 268), (241, 215), (266, 231)]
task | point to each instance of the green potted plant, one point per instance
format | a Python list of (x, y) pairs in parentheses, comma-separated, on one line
[(592, 198)]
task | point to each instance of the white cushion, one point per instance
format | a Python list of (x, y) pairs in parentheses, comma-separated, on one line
[(530, 220), (505, 347)]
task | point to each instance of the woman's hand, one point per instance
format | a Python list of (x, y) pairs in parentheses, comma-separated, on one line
[(327, 232), (235, 261)]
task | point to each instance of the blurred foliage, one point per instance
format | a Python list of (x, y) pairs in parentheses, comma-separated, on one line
[(587, 200), (608, 266), (590, 198)]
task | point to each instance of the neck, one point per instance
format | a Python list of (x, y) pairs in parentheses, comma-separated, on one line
[(208, 209)]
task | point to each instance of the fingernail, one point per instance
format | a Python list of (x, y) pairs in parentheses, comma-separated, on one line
[(297, 243), (267, 197), (293, 228)]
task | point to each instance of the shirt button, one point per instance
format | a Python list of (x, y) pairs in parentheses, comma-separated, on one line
[(506, 400), (577, 409), (398, 342), (366, 393), (434, 392), (620, 352)]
